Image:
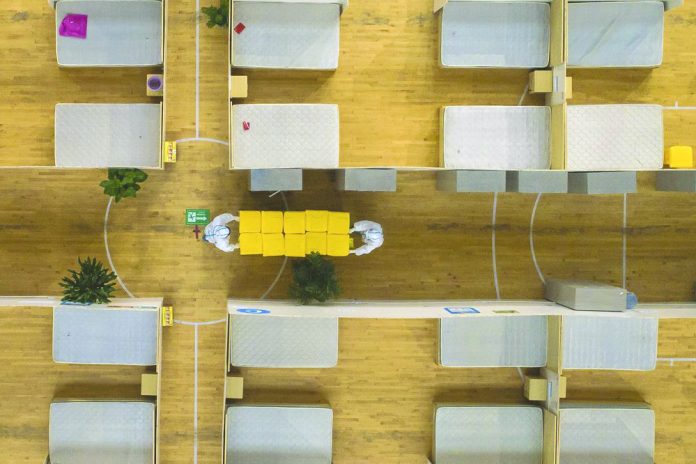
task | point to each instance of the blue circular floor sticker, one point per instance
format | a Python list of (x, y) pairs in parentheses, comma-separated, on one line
[(253, 311)]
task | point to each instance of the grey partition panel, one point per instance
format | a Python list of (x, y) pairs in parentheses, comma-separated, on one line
[(585, 296), (602, 182), (471, 181), (366, 180), (279, 434), (107, 432), (676, 181), (537, 181), (273, 180), (87, 335)]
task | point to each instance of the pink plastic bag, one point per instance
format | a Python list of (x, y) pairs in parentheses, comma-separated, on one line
[(74, 25)]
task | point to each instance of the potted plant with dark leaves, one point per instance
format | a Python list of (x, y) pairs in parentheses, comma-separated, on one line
[(314, 280), (93, 283), (218, 16)]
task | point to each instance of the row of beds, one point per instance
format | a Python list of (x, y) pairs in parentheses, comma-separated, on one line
[(305, 35), (121, 431)]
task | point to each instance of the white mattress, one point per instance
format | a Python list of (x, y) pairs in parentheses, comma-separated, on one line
[(279, 434), (119, 33), (495, 34), (621, 343), (615, 34), (84, 335), (285, 136), (277, 341), (286, 35), (493, 342), (488, 435), (117, 432), (615, 137), (108, 135), (496, 137), (607, 434)]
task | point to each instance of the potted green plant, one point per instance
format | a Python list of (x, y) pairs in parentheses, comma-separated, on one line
[(217, 16), (93, 283), (314, 279), (123, 182)]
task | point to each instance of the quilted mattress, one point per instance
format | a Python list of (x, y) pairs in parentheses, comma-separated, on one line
[(119, 33), (607, 434), (279, 434), (615, 34), (493, 342), (286, 35), (615, 137), (488, 435), (108, 135), (620, 343), (117, 432), (496, 137), (285, 136), (84, 335), (495, 34), (277, 341)]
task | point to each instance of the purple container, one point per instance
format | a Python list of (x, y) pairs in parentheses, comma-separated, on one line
[(155, 83)]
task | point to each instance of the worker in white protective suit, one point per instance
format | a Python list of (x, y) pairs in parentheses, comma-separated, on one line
[(372, 236), (218, 233)]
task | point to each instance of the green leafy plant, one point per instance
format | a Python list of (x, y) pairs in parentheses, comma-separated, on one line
[(314, 279), (94, 283), (217, 16), (123, 182)]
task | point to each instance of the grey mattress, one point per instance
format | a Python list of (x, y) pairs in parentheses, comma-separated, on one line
[(117, 432), (85, 335), (279, 434)]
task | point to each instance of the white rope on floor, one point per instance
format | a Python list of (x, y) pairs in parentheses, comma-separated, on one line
[(495, 266), (108, 253), (531, 239)]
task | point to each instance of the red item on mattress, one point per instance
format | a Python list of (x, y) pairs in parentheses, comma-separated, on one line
[(73, 25), (246, 125), (239, 28)]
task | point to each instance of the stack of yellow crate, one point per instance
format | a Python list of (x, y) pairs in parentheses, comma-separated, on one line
[(294, 233)]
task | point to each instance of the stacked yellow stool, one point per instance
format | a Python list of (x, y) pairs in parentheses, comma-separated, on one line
[(294, 233)]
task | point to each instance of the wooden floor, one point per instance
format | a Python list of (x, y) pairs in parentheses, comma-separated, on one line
[(437, 245)]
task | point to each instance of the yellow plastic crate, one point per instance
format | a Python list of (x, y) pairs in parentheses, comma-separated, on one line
[(679, 157), (337, 245), (249, 222), (317, 221), (250, 243), (273, 244), (295, 245), (315, 241), (339, 223), (271, 222), (294, 222)]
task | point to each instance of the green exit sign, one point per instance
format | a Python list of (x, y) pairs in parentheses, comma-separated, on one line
[(197, 217)]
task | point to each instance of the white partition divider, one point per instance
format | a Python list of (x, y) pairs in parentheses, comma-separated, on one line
[(445, 309)]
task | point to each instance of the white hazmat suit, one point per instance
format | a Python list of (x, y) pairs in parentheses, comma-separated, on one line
[(218, 233), (372, 236)]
